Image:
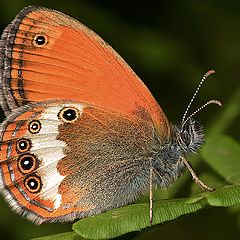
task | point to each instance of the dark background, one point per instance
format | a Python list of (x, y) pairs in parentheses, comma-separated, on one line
[(170, 45)]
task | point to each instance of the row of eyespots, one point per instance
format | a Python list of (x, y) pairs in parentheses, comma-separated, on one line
[(27, 162)]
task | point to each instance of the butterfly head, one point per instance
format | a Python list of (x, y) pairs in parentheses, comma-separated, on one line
[(181, 143), (189, 137)]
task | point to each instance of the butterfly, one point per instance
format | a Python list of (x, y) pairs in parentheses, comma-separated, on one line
[(82, 133)]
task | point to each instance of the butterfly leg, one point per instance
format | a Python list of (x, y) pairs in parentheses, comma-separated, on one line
[(151, 196), (201, 184)]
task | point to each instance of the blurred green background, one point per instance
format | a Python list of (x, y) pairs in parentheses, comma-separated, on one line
[(170, 45)]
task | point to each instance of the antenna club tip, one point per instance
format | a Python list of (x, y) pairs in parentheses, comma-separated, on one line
[(220, 104), (210, 72), (216, 102)]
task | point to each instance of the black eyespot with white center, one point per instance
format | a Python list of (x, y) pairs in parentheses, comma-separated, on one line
[(34, 126), (39, 40), (33, 183), (23, 145), (69, 114), (27, 163)]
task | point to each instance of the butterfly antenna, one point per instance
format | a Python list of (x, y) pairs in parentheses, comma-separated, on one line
[(202, 107), (195, 94)]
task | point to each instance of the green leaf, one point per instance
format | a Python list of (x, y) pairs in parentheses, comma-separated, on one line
[(225, 197), (136, 216), (133, 218), (61, 236), (222, 154)]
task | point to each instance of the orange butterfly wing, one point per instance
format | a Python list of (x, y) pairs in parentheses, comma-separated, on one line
[(74, 63)]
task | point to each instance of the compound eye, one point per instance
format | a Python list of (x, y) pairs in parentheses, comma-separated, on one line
[(185, 137), (69, 114)]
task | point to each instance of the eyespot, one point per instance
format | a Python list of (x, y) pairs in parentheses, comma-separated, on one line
[(23, 145), (33, 183), (39, 40), (69, 114), (27, 163), (34, 126)]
